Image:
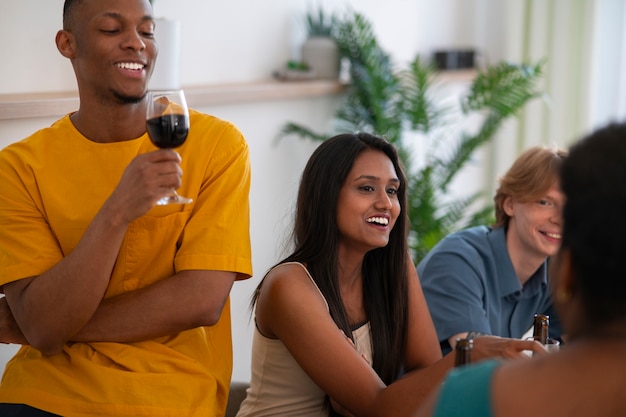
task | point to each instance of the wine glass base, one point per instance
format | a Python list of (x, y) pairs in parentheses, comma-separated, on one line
[(173, 199)]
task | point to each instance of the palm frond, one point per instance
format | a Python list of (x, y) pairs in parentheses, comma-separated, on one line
[(375, 88), (499, 92), (503, 88), (416, 82), (303, 132)]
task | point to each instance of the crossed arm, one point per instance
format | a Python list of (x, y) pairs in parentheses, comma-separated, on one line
[(67, 302)]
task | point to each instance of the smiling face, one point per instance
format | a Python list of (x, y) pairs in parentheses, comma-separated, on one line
[(534, 230), (112, 48), (368, 206)]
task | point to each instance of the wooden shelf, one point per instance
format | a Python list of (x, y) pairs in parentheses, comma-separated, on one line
[(33, 105)]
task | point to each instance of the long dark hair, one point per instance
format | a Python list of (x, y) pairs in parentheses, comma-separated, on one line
[(316, 237), (592, 179)]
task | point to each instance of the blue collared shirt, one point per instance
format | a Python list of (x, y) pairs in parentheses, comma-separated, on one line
[(470, 285)]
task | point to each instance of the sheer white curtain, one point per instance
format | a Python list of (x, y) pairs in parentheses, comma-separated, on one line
[(608, 63), (584, 45)]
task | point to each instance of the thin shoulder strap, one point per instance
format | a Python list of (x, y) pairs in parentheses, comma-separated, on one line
[(310, 277)]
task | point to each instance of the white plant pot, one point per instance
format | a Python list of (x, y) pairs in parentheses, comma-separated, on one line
[(166, 75), (321, 54)]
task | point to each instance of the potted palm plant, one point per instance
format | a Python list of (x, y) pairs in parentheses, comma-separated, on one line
[(391, 102)]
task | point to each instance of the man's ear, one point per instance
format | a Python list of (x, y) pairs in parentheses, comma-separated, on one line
[(66, 43), (508, 206)]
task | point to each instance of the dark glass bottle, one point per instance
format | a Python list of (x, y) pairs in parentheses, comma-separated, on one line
[(463, 352), (541, 324)]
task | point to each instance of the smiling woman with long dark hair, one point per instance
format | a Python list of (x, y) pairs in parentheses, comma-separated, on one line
[(341, 318)]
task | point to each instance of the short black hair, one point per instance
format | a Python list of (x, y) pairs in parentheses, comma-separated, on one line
[(68, 12), (593, 179)]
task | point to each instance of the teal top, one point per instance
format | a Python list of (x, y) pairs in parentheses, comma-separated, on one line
[(466, 391)]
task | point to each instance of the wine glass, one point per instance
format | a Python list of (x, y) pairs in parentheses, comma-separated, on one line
[(167, 122)]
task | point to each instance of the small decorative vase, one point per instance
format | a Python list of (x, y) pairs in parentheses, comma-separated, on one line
[(166, 75), (321, 54)]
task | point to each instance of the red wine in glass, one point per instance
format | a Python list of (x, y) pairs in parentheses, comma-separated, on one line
[(168, 131), (167, 122)]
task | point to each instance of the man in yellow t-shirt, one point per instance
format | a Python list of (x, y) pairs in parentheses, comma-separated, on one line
[(121, 306)]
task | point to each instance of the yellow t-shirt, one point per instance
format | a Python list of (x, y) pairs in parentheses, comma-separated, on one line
[(51, 186)]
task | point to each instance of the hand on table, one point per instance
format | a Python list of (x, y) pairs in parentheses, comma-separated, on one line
[(503, 347)]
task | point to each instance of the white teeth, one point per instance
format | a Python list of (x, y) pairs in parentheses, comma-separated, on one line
[(379, 220), (130, 66), (554, 235)]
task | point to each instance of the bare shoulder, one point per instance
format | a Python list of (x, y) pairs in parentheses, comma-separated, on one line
[(291, 274), (287, 292)]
